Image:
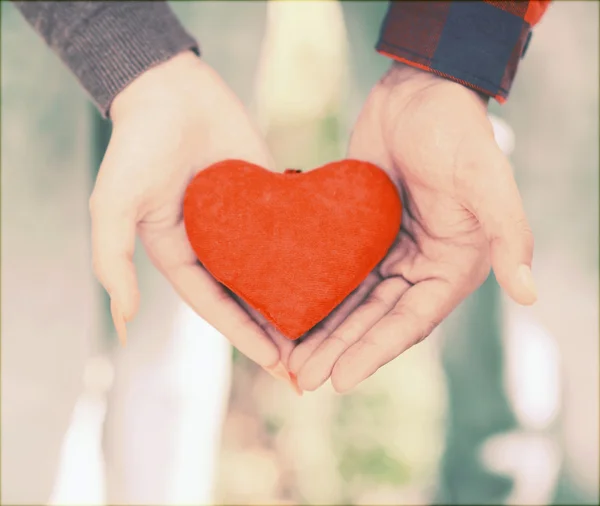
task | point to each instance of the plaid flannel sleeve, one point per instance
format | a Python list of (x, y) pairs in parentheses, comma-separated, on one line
[(478, 44)]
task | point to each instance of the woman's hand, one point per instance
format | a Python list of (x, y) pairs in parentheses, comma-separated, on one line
[(168, 124)]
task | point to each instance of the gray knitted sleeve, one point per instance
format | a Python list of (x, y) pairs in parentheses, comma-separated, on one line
[(108, 44)]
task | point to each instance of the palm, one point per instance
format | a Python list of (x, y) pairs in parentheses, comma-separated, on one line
[(440, 239)]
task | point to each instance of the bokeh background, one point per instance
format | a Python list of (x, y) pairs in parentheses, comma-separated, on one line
[(499, 405)]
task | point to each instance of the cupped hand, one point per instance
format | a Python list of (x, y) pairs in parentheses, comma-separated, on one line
[(168, 124), (462, 215)]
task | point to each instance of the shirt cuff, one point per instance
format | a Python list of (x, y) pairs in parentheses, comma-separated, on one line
[(120, 43), (476, 44)]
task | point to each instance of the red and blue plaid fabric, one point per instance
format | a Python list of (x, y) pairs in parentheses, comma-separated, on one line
[(478, 44)]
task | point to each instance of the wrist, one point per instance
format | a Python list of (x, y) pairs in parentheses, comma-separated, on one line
[(413, 79), (167, 83), (401, 73)]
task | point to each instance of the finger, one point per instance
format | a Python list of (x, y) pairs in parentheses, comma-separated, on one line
[(412, 319), (171, 253), (489, 191), (285, 346), (113, 226), (280, 372), (380, 301), (321, 331), (209, 301), (119, 322), (316, 337)]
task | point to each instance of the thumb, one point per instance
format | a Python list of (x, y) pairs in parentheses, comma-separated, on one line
[(113, 226), (490, 192)]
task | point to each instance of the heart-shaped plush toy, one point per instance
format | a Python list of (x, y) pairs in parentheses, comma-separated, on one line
[(293, 245)]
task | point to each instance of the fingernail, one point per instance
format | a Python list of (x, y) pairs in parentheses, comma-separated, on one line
[(279, 371), (119, 322), (525, 277), (294, 382)]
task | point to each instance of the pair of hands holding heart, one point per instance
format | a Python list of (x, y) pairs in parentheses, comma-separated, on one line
[(462, 214)]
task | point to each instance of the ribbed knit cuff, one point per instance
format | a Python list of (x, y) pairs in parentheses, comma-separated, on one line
[(120, 43)]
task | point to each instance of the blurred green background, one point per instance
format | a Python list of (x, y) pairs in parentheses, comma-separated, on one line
[(499, 405)]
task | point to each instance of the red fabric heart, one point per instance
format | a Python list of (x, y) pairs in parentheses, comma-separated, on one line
[(292, 245)]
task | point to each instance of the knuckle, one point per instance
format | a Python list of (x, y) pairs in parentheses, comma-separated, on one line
[(524, 235), (525, 230), (337, 338), (374, 299), (430, 326), (419, 327), (406, 314), (420, 338)]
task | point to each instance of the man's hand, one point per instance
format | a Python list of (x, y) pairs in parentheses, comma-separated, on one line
[(168, 124), (462, 214)]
